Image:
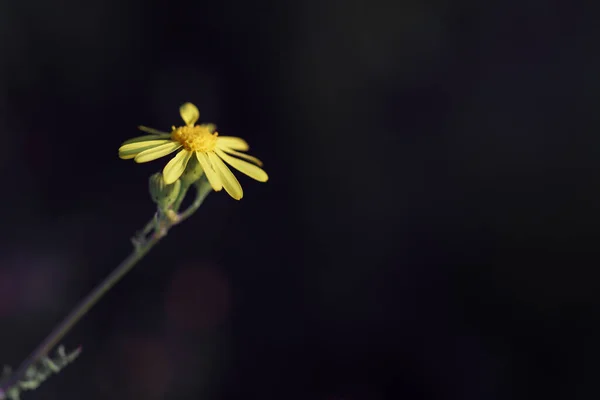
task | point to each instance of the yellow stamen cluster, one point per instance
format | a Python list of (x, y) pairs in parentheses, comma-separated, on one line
[(195, 138)]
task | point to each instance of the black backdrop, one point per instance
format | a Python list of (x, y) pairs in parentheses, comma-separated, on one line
[(428, 230)]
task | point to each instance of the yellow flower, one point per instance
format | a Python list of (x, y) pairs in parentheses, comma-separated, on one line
[(202, 141)]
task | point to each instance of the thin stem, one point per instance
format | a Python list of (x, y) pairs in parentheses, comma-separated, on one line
[(203, 188), (84, 306), (143, 246)]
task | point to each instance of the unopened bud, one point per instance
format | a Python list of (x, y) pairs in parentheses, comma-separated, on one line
[(162, 194)]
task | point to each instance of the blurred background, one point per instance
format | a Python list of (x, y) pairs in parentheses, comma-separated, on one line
[(429, 229)]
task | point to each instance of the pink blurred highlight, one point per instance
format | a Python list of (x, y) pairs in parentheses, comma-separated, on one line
[(146, 366), (198, 298), (30, 283)]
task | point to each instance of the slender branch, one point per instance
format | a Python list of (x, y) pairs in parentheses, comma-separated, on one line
[(182, 193), (84, 306), (203, 188), (142, 245)]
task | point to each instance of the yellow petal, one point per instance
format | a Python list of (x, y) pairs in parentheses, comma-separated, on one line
[(240, 155), (233, 142), (152, 131), (230, 182), (189, 113), (244, 167), (176, 166), (146, 138), (157, 152), (211, 174), (133, 147)]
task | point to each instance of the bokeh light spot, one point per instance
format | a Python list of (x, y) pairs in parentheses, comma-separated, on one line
[(198, 298)]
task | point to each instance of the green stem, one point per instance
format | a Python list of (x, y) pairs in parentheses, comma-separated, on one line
[(203, 188), (144, 245), (85, 305)]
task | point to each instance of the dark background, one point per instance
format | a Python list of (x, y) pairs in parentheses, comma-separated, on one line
[(429, 229)]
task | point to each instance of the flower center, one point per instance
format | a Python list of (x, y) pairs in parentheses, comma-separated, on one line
[(195, 138)]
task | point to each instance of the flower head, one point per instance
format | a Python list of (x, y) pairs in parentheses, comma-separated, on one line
[(202, 142)]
